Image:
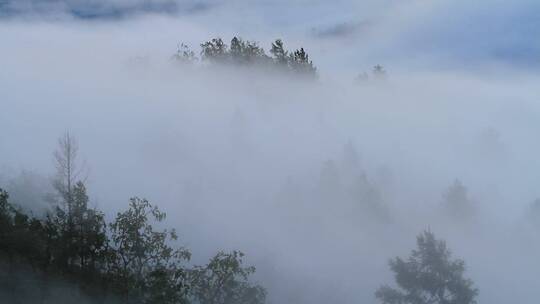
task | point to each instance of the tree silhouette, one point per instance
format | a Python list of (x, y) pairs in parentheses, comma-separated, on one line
[(379, 72), (214, 50), (300, 63), (68, 169), (279, 53), (428, 276), (249, 53), (246, 52), (225, 281), (184, 54), (456, 201), (143, 263), (131, 260)]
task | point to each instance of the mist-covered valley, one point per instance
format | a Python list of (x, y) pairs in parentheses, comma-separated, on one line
[(320, 180)]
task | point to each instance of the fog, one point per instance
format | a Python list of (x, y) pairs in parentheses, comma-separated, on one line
[(319, 183)]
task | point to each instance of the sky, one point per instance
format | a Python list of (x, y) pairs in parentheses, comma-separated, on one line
[(423, 34), (282, 169)]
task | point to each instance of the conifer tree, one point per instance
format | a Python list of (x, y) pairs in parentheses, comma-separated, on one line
[(428, 276), (279, 53), (214, 50), (300, 63)]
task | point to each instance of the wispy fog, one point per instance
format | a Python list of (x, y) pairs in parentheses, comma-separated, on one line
[(319, 183)]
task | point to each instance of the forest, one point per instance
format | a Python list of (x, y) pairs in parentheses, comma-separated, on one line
[(249, 53), (128, 260)]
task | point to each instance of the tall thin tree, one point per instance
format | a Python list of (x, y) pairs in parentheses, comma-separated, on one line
[(68, 169)]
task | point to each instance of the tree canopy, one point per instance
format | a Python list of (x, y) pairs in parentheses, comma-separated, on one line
[(128, 259), (428, 276), (242, 52)]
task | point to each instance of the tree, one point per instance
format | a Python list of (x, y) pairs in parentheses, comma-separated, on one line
[(89, 231), (6, 222), (249, 53), (245, 52), (428, 276), (368, 196), (300, 63), (214, 50), (68, 170), (167, 285), (21, 236), (224, 280), (76, 234), (379, 72), (137, 261), (253, 53), (143, 264), (27, 240), (456, 201), (237, 49), (184, 54), (362, 78), (279, 53)]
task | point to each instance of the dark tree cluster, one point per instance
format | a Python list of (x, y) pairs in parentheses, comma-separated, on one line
[(248, 53), (127, 260)]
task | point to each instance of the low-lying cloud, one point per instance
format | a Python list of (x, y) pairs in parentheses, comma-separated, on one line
[(319, 183)]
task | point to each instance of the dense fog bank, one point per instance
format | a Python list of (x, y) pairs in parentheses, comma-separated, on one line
[(318, 182)]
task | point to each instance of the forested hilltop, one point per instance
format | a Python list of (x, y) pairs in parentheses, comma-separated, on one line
[(71, 253), (248, 53), (124, 261)]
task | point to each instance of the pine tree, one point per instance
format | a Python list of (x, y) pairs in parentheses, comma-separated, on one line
[(89, 236), (236, 50), (428, 276), (279, 53), (214, 50), (300, 63)]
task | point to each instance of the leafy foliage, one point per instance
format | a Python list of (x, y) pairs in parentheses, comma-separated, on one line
[(131, 259), (225, 281), (141, 257), (127, 259)]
